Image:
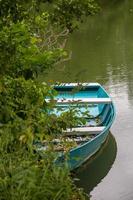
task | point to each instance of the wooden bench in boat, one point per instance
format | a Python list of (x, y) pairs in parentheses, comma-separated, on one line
[(84, 130), (83, 100)]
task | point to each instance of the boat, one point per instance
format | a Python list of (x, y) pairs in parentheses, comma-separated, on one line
[(99, 114)]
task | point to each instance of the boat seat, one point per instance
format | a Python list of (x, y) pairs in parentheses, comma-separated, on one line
[(83, 100), (84, 130)]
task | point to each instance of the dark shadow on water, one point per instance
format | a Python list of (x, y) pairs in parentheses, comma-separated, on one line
[(94, 170)]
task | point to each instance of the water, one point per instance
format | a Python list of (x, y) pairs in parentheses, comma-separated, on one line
[(102, 51)]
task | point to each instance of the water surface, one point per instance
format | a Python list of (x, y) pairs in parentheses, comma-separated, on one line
[(102, 51)]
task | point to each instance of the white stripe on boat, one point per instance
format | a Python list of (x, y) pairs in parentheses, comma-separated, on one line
[(78, 84), (84, 130), (82, 100)]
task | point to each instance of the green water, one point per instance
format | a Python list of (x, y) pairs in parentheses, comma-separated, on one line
[(102, 51)]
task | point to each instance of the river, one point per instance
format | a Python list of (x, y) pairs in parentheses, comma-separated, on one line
[(102, 51)]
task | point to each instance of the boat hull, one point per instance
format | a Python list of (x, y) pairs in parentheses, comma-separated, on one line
[(77, 156)]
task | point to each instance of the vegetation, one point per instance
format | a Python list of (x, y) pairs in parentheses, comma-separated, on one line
[(32, 39)]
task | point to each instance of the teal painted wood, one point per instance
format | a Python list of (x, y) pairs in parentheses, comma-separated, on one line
[(106, 112)]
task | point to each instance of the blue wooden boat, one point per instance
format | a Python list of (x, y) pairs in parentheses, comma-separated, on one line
[(94, 98)]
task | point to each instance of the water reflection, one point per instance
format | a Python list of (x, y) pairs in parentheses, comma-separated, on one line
[(92, 172), (102, 49)]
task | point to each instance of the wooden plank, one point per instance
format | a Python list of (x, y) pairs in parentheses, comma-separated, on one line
[(77, 84), (84, 130), (82, 100)]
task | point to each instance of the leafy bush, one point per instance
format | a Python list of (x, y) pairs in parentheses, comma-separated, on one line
[(31, 40)]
